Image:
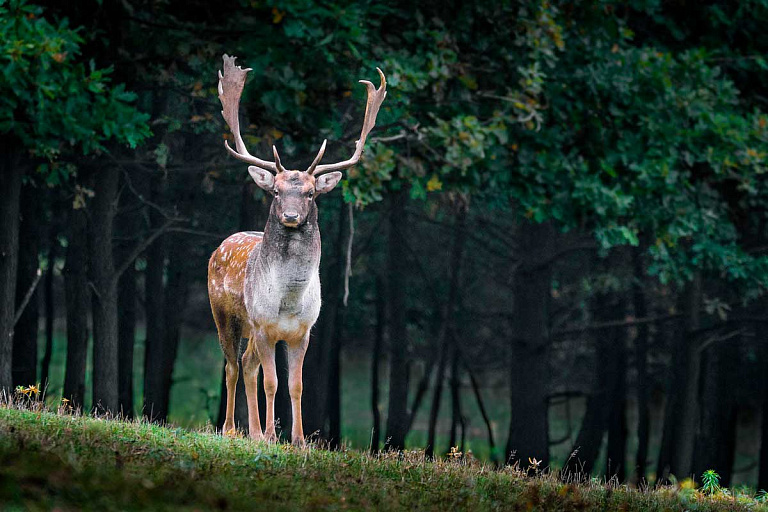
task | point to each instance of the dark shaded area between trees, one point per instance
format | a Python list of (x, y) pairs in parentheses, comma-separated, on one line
[(568, 199)]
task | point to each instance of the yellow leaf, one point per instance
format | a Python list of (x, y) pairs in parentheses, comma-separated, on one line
[(277, 15), (434, 183), (275, 133)]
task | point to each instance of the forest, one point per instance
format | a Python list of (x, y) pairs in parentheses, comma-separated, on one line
[(553, 253)]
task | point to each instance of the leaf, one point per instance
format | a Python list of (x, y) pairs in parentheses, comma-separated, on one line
[(434, 183)]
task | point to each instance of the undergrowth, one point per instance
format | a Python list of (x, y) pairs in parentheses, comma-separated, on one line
[(58, 459)]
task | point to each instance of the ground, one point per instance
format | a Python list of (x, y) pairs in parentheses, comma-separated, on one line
[(51, 460)]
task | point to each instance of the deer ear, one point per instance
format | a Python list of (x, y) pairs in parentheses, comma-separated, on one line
[(264, 179), (326, 182)]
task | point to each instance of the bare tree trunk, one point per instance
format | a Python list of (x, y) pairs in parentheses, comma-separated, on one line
[(529, 366), (104, 299), (27, 328), (483, 413), (10, 190), (397, 266), (332, 331), (715, 443), (457, 417), (615, 464), (155, 407), (378, 342), (762, 479), (77, 301), (175, 303), (129, 225), (681, 413), (446, 320), (50, 311), (606, 405), (437, 395), (126, 300), (590, 436), (643, 381)]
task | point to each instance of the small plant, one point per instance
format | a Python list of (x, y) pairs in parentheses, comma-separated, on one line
[(762, 496), (534, 464), (710, 482)]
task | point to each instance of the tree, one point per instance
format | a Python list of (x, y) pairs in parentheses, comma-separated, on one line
[(51, 104)]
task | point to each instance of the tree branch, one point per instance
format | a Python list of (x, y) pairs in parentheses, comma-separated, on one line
[(28, 296), (141, 246)]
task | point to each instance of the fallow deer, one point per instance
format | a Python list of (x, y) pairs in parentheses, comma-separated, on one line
[(266, 286)]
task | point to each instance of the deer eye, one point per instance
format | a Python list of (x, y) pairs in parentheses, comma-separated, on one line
[(311, 194)]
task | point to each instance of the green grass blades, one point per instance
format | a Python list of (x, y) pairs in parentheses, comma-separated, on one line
[(70, 462)]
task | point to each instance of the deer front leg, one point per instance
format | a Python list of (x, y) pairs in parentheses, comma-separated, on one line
[(251, 365), (296, 354), (266, 351)]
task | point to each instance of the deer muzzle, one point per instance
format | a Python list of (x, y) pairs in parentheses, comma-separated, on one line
[(290, 219)]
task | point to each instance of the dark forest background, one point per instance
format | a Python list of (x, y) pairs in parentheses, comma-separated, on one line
[(558, 227)]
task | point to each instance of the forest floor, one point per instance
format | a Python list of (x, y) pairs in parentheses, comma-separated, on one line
[(51, 460)]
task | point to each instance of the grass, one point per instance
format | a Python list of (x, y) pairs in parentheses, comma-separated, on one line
[(195, 396), (69, 462)]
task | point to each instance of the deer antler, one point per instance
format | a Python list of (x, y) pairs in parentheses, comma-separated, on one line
[(375, 98), (231, 83)]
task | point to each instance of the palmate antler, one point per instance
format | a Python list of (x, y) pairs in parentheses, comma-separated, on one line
[(231, 83)]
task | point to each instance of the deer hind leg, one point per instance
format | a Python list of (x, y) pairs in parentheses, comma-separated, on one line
[(229, 338), (266, 351), (296, 353), (251, 365)]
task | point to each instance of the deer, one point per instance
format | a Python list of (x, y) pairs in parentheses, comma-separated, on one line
[(265, 286)]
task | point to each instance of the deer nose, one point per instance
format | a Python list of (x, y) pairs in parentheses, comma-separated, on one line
[(291, 216)]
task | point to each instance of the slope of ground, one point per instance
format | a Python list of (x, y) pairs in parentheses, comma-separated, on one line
[(50, 460)]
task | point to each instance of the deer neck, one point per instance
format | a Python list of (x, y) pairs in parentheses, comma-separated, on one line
[(293, 252)]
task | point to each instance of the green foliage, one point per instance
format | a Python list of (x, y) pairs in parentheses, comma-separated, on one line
[(574, 115), (710, 482), (50, 98)]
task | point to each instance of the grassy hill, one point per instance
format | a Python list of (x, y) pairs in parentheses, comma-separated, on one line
[(70, 462)]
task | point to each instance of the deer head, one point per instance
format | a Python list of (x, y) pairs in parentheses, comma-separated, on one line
[(294, 191)]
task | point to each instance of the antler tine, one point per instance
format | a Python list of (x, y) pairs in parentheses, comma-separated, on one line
[(311, 168), (278, 165), (231, 83), (375, 99)]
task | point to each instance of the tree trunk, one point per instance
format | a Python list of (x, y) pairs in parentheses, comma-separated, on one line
[(77, 301), (643, 380), (762, 479), (615, 464), (129, 225), (378, 342), (483, 413), (50, 310), (437, 395), (332, 329), (175, 303), (681, 412), (457, 417), (529, 368), (447, 320), (10, 190), (127, 304), (27, 328), (105, 376), (397, 267), (155, 406), (715, 442)]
